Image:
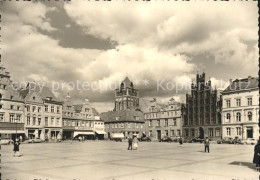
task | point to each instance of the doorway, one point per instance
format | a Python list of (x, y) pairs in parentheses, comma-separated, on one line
[(159, 134), (201, 133), (249, 132)]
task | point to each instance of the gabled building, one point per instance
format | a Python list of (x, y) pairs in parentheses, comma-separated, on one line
[(11, 108), (126, 117), (163, 120), (43, 113), (202, 111), (240, 111), (81, 120)]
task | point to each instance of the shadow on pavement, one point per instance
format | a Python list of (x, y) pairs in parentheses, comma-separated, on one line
[(249, 165)]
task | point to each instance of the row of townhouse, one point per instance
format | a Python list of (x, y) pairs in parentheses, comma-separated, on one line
[(163, 120), (35, 112)]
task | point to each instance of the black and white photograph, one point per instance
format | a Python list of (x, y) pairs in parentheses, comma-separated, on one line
[(129, 90)]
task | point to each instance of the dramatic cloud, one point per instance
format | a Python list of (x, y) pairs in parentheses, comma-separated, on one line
[(154, 43)]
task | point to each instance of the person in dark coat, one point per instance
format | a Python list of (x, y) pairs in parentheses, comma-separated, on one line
[(130, 143), (206, 144), (180, 141), (16, 147), (256, 159)]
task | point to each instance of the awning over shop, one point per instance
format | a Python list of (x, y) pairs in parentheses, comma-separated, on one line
[(118, 135), (11, 132), (83, 133), (101, 132)]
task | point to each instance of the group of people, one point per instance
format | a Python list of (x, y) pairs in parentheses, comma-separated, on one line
[(132, 142)]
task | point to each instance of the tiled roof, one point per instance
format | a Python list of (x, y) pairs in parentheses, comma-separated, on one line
[(124, 115), (78, 108), (44, 92), (95, 112), (242, 84)]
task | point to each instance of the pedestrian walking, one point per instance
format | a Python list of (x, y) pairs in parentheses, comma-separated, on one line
[(16, 147), (206, 144), (256, 159), (180, 141), (135, 142), (130, 142)]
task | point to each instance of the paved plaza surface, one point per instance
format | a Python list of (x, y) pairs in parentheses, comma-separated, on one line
[(111, 160)]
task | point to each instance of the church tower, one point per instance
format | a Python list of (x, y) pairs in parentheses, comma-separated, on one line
[(126, 97)]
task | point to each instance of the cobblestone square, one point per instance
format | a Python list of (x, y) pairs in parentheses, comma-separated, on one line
[(112, 160)]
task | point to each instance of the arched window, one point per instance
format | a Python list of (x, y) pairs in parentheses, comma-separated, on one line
[(249, 115), (238, 117), (228, 116)]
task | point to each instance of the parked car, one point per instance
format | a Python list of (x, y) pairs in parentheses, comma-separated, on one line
[(35, 140), (195, 140), (251, 141), (166, 139), (6, 141), (145, 139), (226, 140), (237, 141)]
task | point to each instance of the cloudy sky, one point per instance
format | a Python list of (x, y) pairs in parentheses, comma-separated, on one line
[(153, 43)]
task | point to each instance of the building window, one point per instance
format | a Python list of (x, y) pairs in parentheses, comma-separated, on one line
[(58, 109), (28, 108), (39, 109), (46, 108), (249, 115), (12, 107), (28, 120), (11, 118), (58, 121), (117, 118), (150, 123), (228, 103), (34, 108), (228, 117), (238, 101), (129, 125), (174, 122), (249, 101), (52, 109), (166, 133), (115, 125), (46, 121), (166, 122), (34, 121), (228, 132), (39, 121), (19, 118), (18, 108), (238, 117), (150, 133), (210, 132), (179, 132), (137, 118), (11, 97), (158, 122), (172, 133), (52, 121), (1, 117), (238, 131), (64, 123)]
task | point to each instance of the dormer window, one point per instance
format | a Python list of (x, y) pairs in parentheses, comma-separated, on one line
[(137, 118), (11, 97), (34, 98), (117, 118)]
